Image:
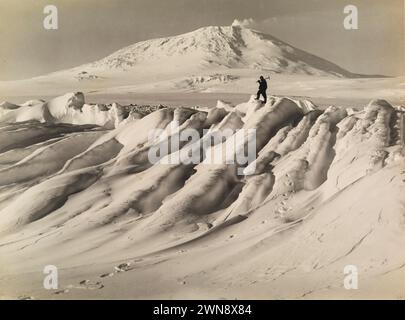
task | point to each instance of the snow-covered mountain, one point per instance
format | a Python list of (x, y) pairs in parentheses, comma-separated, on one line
[(212, 60), (213, 47)]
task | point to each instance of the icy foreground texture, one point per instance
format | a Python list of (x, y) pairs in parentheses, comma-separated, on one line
[(326, 190)]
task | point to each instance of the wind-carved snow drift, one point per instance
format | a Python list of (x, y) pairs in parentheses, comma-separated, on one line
[(69, 108), (326, 190)]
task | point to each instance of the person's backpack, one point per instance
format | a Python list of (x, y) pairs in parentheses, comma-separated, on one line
[(263, 85)]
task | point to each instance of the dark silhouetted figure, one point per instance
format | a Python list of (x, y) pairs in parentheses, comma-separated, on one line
[(262, 89)]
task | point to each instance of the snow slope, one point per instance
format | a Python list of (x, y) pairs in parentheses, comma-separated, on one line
[(325, 191)]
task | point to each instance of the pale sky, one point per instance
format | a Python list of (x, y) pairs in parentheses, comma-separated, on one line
[(91, 29)]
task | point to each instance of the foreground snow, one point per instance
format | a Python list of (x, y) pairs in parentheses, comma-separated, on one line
[(77, 191)]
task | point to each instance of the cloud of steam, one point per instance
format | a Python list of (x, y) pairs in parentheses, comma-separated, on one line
[(246, 23)]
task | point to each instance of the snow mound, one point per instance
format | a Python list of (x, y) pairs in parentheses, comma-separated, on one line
[(69, 108), (84, 75), (205, 82)]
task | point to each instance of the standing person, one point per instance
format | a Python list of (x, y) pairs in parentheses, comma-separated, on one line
[(262, 89)]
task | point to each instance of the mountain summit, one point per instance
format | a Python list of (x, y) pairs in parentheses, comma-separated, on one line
[(213, 47)]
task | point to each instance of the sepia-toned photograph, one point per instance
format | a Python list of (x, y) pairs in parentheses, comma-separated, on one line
[(202, 150)]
